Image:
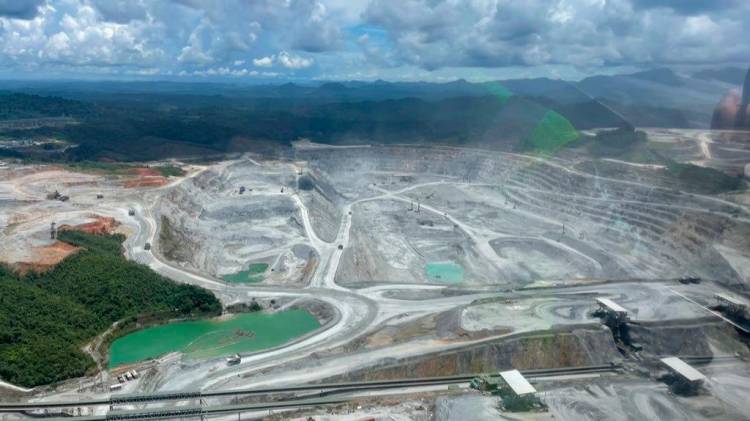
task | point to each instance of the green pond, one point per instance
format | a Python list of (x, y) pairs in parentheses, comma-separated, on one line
[(244, 332), (445, 272), (253, 274)]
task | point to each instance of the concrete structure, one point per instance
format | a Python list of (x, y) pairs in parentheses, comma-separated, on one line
[(683, 370), (613, 308), (517, 383)]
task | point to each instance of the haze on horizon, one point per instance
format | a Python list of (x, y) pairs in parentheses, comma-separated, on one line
[(269, 40)]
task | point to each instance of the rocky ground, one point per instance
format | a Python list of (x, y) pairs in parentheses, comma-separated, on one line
[(428, 261)]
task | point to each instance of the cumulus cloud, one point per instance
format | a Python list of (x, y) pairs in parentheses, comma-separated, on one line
[(688, 6), (263, 61), (20, 9), (121, 11), (75, 37), (318, 37), (293, 62), (482, 33)]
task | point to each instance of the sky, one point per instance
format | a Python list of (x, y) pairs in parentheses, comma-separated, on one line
[(433, 40)]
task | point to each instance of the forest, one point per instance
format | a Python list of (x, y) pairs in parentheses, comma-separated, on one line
[(152, 126), (47, 318)]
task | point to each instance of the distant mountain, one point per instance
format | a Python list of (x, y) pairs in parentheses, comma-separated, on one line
[(662, 75), (671, 100), (731, 75), (560, 91)]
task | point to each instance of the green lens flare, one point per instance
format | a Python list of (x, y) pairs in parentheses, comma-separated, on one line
[(552, 133)]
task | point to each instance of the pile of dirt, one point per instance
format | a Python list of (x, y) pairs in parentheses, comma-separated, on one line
[(101, 225)]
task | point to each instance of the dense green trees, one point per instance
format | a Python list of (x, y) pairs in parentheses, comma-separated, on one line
[(16, 105), (45, 318)]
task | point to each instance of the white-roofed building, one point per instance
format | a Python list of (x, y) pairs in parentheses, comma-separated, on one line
[(683, 379), (683, 369), (517, 383), (613, 308)]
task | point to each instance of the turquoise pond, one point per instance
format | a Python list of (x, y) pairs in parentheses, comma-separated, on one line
[(253, 274), (448, 272), (211, 338)]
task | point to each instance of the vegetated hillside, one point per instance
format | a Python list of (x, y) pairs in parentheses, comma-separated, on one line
[(658, 97), (46, 318), (152, 120), (632, 145), (154, 129), (17, 105), (702, 179)]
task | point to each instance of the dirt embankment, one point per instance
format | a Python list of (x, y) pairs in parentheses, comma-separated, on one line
[(145, 177), (578, 347), (702, 337), (46, 257)]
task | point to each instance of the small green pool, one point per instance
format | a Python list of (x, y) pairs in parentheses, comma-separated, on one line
[(448, 272), (244, 332), (253, 274)]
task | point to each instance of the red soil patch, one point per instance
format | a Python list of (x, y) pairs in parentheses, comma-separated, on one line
[(145, 172), (147, 177), (46, 257), (145, 182), (102, 225)]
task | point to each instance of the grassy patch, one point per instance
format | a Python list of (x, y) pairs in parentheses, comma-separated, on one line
[(170, 171), (703, 180), (108, 168)]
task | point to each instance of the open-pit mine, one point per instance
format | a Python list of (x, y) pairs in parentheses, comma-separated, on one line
[(399, 281)]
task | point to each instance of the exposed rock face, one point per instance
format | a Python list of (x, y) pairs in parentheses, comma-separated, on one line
[(733, 111)]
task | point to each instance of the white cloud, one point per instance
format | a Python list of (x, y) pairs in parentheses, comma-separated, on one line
[(263, 61), (74, 36), (294, 62), (318, 37), (497, 33)]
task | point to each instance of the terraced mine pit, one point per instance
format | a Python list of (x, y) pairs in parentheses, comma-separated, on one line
[(425, 261)]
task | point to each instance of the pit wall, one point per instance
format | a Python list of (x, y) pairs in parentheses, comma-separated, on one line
[(694, 337), (577, 347)]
